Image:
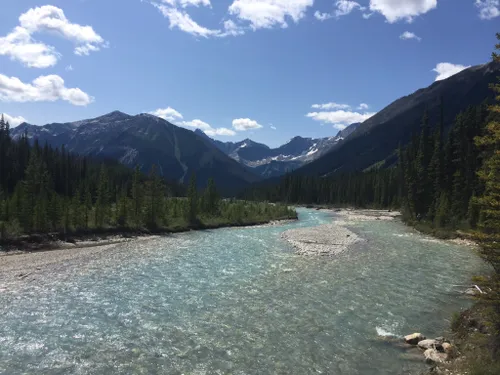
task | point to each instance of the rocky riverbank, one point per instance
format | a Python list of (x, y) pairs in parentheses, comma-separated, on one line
[(332, 239)]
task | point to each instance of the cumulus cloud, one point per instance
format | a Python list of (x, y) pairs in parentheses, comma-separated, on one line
[(221, 131), (408, 35), (266, 14), (363, 106), (244, 124), (168, 114), (446, 70), (396, 10), (13, 120), (52, 20), (44, 88), (207, 129), (339, 119), (173, 115), (20, 46), (331, 105), (19, 43), (488, 9)]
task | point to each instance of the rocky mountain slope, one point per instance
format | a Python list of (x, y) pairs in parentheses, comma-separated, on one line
[(272, 162), (145, 140), (374, 141)]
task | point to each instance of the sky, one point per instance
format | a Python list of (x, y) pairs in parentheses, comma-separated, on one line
[(267, 70)]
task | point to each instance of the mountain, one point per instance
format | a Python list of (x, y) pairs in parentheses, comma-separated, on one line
[(374, 142), (271, 162), (145, 140)]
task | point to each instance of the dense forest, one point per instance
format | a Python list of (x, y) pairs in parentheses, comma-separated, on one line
[(434, 179), (44, 190)]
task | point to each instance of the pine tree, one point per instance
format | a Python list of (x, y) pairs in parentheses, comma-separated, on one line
[(211, 198), (136, 199), (490, 201), (192, 201)]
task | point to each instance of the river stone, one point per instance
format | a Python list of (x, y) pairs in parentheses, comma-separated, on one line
[(414, 338), (433, 356), (429, 343), (447, 348)]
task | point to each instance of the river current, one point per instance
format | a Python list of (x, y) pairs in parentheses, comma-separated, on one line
[(238, 301)]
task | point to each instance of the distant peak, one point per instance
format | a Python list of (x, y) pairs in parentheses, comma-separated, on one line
[(114, 116)]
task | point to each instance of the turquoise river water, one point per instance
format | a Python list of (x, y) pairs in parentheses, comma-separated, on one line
[(238, 301)]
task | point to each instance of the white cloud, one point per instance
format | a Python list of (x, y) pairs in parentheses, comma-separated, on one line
[(231, 29), (69, 68), (273, 127), (408, 35), (19, 43), (172, 115), (52, 20), (244, 124), (488, 9), (395, 10), (322, 16), (13, 120), (367, 15), (20, 46), (186, 3), (342, 8), (363, 106), (44, 88), (329, 106), (266, 14), (340, 119), (168, 114), (207, 129), (221, 131), (446, 70), (181, 20)]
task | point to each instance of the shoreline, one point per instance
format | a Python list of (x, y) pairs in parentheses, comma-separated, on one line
[(57, 241)]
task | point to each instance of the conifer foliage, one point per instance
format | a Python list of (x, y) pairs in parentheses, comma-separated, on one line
[(47, 190)]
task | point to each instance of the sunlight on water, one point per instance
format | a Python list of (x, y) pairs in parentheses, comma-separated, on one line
[(237, 301)]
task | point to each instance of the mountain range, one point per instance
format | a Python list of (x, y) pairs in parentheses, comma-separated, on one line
[(178, 153), (271, 162), (145, 140)]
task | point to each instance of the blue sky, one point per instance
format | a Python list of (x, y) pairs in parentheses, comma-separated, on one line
[(264, 69)]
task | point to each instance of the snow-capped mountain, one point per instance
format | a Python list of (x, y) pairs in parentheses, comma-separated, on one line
[(271, 162)]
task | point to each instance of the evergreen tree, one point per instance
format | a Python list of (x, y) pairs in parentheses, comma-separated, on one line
[(192, 201)]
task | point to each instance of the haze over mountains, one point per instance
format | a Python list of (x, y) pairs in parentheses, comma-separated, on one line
[(146, 139)]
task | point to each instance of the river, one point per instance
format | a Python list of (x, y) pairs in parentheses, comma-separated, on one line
[(237, 301)]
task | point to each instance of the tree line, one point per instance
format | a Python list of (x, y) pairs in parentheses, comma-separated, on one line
[(46, 189)]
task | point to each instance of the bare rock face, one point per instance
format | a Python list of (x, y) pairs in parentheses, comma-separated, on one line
[(433, 356), (414, 338)]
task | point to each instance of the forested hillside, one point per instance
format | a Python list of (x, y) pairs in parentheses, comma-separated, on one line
[(441, 181), (45, 189), (376, 140), (435, 179)]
